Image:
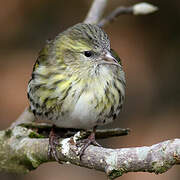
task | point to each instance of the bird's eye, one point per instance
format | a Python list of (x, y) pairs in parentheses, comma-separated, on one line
[(88, 53)]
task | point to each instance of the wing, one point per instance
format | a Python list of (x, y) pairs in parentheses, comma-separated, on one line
[(43, 55)]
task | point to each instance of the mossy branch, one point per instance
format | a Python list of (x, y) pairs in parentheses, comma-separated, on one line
[(20, 152), (100, 133)]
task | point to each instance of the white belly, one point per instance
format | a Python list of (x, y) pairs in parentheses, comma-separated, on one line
[(83, 115)]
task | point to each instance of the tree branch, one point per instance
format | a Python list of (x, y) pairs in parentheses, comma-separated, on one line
[(19, 153), (100, 133), (26, 117), (96, 11)]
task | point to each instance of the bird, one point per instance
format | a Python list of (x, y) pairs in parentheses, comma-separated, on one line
[(77, 82)]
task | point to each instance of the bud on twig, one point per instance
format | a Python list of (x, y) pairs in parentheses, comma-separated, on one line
[(144, 8)]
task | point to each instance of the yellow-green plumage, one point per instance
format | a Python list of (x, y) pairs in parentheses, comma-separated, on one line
[(77, 80)]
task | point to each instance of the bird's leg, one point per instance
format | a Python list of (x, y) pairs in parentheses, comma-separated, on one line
[(86, 142), (53, 143)]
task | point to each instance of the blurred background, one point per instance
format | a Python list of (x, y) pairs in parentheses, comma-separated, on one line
[(149, 47)]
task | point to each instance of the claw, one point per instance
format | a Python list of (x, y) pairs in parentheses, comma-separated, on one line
[(86, 142), (53, 143)]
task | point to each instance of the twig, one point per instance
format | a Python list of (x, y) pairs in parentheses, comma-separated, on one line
[(138, 9), (114, 14), (106, 133), (100, 133), (26, 117), (96, 11)]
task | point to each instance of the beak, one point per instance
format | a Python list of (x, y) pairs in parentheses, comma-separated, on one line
[(109, 59)]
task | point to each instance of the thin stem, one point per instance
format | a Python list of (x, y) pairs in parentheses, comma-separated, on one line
[(96, 11), (114, 14), (100, 133)]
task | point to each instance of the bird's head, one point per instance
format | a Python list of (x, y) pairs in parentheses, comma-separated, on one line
[(85, 46)]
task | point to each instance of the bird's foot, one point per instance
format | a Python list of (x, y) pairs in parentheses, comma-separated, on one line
[(84, 143), (53, 143)]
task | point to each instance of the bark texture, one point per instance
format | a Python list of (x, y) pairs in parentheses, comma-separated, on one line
[(22, 150)]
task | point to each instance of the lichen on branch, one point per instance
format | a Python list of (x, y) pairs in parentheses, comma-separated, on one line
[(20, 152)]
